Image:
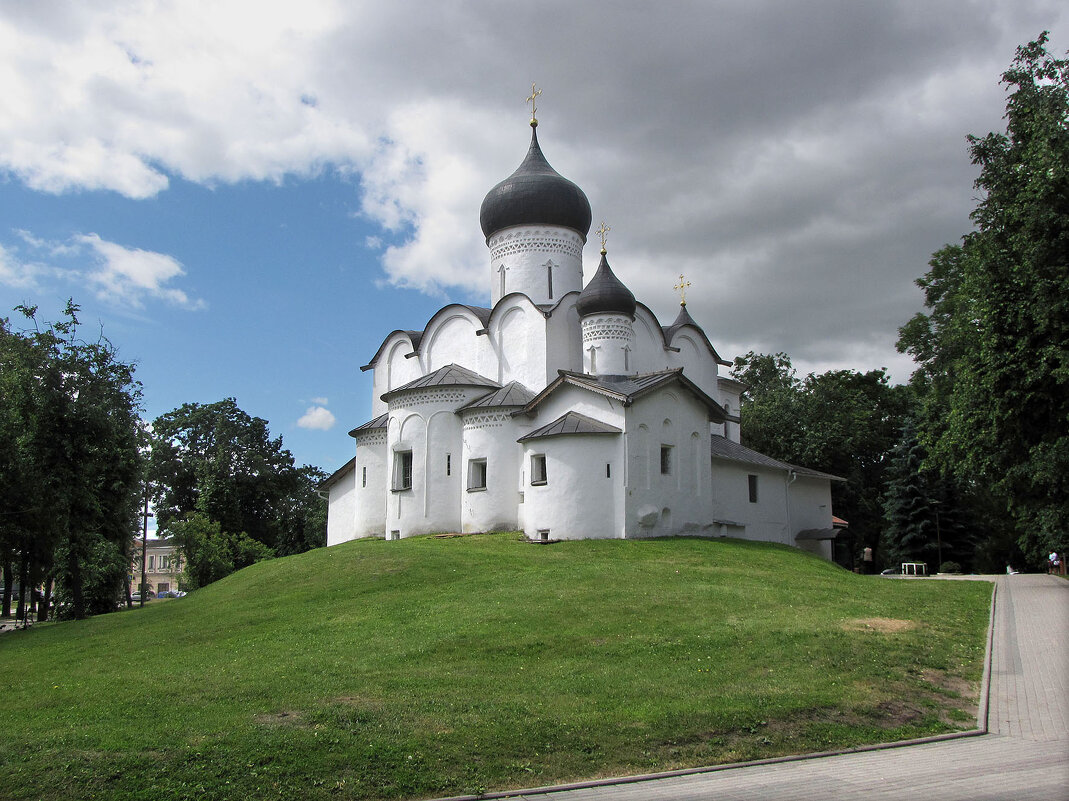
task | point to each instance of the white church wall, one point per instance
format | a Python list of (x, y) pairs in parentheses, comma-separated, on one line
[(577, 500), (518, 332), (574, 399), (440, 470), (697, 362), (764, 519), (450, 338), (543, 262), (406, 434), (341, 506), (669, 497), (811, 508), (489, 436), (393, 370), (370, 484), (563, 340), (649, 353)]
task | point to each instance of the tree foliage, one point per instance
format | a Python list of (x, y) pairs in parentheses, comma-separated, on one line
[(216, 464), (71, 469), (842, 422), (993, 347), (211, 553)]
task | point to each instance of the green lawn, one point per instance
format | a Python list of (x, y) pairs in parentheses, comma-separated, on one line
[(441, 666)]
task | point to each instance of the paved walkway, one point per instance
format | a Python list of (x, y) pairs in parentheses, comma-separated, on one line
[(1024, 756)]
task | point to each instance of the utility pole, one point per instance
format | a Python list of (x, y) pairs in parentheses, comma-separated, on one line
[(144, 547), (938, 536)]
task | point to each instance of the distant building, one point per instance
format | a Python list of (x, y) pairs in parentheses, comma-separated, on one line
[(163, 566), (563, 411)]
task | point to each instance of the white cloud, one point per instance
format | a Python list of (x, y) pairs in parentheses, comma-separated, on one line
[(317, 418), (130, 275), (319, 401), (117, 274)]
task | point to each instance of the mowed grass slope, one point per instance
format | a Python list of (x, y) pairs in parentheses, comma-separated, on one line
[(441, 666)]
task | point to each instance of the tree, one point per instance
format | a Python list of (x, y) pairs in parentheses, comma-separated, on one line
[(993, 349), (72, 471), (842, 422), (216, 461), (211, 553)]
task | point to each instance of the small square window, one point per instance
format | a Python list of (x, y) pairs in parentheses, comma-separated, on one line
[(538, 469), (476, 475), (543, 535), (402, 470), (666, 460), (752, 479)]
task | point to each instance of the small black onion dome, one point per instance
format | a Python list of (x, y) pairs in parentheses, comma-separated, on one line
[(605, 293), (535, 194)]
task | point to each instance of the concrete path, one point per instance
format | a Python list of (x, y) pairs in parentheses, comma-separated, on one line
[(1024, 756)]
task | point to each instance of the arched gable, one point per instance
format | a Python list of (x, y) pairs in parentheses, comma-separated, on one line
[(454, 336), (517, 331)]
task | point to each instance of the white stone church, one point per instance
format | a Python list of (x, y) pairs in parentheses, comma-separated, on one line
[(564, 411)]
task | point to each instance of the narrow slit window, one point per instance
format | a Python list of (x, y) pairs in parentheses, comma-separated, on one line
[(363, 477), (608, 470), (449, 464), (752, 480), (666, 460)]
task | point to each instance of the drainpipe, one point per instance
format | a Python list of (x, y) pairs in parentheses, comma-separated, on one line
[(791, 478)]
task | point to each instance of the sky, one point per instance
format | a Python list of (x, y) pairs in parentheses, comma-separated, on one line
[(246, 196)]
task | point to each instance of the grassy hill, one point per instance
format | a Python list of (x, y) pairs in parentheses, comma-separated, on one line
[(440, 666)]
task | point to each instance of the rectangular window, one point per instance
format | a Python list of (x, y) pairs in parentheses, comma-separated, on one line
[(538, 469), (152, 564), (363, 476), (666, 460), (449, 464), (543, 535), (608, 471), (402, 470), (165, 563), (753, 487), (476, 475), (163, 586)]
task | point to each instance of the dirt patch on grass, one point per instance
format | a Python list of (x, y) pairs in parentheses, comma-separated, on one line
[(954, 686), (281, 718), (884, 625)]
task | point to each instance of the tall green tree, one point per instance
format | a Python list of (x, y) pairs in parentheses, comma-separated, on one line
[(71, 476), (842, 422), (993, 347), (216, 461)]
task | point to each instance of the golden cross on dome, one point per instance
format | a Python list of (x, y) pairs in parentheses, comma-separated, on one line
[(602, 232), (532, 100), (681, 288)]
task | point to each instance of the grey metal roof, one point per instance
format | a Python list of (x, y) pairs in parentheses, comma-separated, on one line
[(535, 194), (450, 375), (338, 474), (378, 422), (482, 314), (820, 534), (724, 448), (570, 423), (628, 388), (512, 394)]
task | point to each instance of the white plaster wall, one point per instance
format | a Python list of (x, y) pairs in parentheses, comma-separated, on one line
[(765, 520), (573, 399), (730, 402), (341, 510), (578, 501), (564, 340), (443, 476), (491, 434), (697, 362), (680, 502), (370, 513), (650, 354), (451, 339), (518, 333), (811, 508), (609, 335), (521, 252), (393, 370)]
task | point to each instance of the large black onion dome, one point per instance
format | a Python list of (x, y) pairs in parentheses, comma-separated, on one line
[(605, 293), (535, 194)]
